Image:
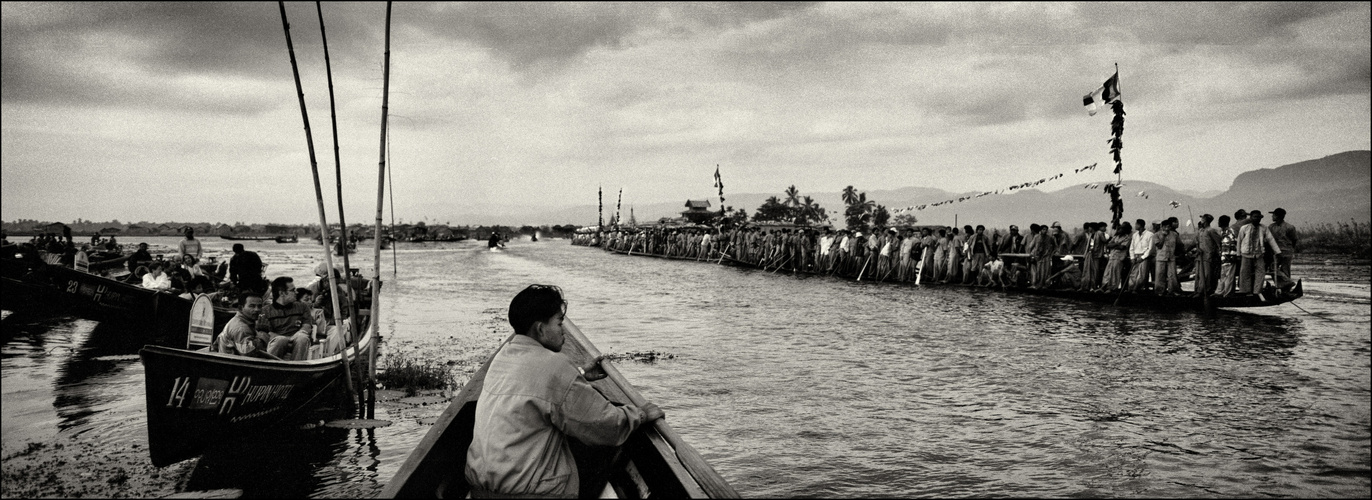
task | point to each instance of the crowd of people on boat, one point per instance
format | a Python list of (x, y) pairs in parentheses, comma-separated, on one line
[(283, 321), (1233, 257)]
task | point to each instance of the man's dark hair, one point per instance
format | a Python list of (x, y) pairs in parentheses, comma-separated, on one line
[(535, 303), (237, 247), (243, 299), (1224, 221), (279, 285)]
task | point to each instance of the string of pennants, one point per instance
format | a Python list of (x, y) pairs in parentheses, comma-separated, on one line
[(1025, 185)]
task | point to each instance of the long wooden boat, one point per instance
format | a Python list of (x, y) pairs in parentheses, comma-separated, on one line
[(1268, 297), (653, 463), (96, 297), (660, 256), (197, 397)]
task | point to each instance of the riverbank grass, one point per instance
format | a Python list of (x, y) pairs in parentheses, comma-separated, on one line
[(1350, 238)]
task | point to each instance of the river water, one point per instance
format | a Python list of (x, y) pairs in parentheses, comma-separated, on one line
[(806, 386)]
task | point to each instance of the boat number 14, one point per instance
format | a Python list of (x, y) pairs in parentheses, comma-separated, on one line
[(208, 394)]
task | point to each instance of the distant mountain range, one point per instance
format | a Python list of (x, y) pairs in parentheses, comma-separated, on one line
[(1329, 189)]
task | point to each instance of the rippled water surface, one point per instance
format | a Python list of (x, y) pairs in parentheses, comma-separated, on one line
[(811, 386)]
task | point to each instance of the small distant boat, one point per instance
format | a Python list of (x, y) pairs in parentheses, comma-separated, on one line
[(654, 463), (287, 239), (247, 238), (196, 397)]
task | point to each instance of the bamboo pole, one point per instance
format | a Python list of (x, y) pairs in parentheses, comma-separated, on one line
[(338, 178), (343, 239), (390, 174), (318, 192), (380, 196)]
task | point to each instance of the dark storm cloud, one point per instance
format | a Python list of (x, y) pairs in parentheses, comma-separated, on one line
[(526, 34), (122, 54), (1187, 23)]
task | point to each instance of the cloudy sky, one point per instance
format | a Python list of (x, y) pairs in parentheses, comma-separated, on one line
[(189, 112)]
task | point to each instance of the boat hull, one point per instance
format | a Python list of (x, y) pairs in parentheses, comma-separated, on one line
[(652, 463), (195, 398), (51, 287), (1267, 298)]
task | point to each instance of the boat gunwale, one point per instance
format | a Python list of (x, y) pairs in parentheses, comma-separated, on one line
[(470, 392)]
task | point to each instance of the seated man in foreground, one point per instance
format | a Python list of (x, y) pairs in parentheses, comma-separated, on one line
[(288, 323), (239, 336), (533, 400)]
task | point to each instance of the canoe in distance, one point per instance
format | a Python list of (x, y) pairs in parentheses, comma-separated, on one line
[(653, 463)]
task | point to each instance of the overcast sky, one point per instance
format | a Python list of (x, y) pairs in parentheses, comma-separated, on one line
[(189, 112)]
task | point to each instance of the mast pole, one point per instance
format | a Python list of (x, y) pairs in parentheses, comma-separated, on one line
[(380, 197), (318, 192), (338, 178)]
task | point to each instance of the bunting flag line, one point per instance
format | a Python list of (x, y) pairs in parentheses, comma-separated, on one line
[(719, 183), (1025, 185), (617, 205)]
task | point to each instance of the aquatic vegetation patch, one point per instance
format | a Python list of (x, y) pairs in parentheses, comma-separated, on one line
[(641, 356), (406, 372)]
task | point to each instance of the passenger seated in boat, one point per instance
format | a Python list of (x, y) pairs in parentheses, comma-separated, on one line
[(533, 400), (239, 335), (201, 285), (287, 322), (180, 279), (157, 278), (139, 258)]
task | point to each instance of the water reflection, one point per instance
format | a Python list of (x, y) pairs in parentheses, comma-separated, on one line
[(273, 463)]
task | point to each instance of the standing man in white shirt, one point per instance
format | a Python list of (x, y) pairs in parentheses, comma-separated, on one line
[(1140, 250)]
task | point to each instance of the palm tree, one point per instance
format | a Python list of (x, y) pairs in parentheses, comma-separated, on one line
[(792, 196), (849, 195)]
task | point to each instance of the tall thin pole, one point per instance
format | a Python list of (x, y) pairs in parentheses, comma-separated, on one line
[(390, 174), (338, 178), (318, 192), (380, 197)]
